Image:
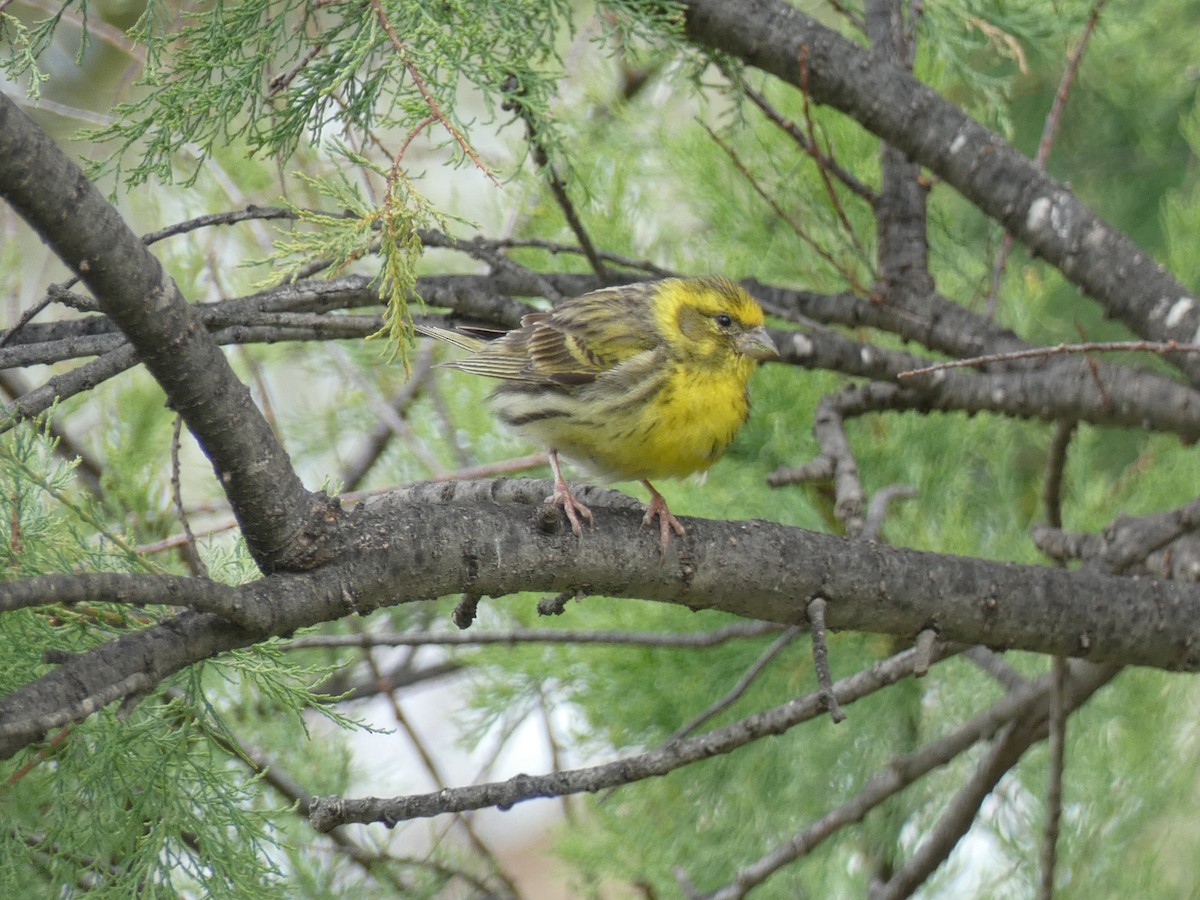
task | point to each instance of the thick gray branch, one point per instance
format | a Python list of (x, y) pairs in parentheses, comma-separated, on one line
[(888, 101), (90, 237), (494, 538)]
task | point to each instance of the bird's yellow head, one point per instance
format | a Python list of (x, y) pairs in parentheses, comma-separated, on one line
[(711, 322)]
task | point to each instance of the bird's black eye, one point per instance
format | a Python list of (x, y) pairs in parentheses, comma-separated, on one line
[(724, 320)]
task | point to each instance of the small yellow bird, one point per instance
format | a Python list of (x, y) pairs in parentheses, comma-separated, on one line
[(637, 382)]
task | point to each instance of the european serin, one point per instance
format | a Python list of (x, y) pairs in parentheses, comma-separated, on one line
[(635, 382)]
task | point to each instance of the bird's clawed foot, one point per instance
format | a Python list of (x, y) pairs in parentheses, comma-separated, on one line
[(657, 507)]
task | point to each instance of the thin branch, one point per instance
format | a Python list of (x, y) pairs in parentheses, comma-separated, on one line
[(558, 187), (1056, 464), (1054, 781), (739, 689), (1049, 130), (926, 641), (899, 773), (810, 126), (28, 316), (1054, 117), (346, 687), (486, 251), (330, 812), (826, 163), (430, 765), (553, 745), (356, 471), (418, 80), (386, 413), (820, 652), (250, 213), (191, 554), (117, 357), (994, 665), (799, 230), (490, 470), (176, 541), (690, 639), (851, 16), (1158, 347), (829, 428), (281, 81), (555, 247), (877, 508), (1085, 679), (44, 753), (502, 467), (903, 771)]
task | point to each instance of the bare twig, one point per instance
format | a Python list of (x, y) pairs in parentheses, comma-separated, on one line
[(331, 812), (740, 688), (466, 610), (905, 770), (28, 316), (231, 217), (1056, 464), (387, 414), (552, 744), (1020, 734), (431, 767), (558, 187), (690, 639), (837, 458), (854, 17), (483, 470), (381, 434), (926, 640), (1054, 781), (826, 163), (281, 81), (820, 468), (435, 108), (1054, 118), (994, 665), (877, 508), (820, 652), (555, 247), (899, 773), (1159, 347), (191, 553), (834, 200), (799, 230)]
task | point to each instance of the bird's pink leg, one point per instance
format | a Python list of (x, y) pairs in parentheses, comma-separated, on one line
[(563, 497), (666, 522)]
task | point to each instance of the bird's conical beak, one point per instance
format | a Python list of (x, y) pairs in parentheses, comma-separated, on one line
[(757, 344)]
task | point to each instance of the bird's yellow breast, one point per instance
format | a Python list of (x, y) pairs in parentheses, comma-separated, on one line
[(682, 428)]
